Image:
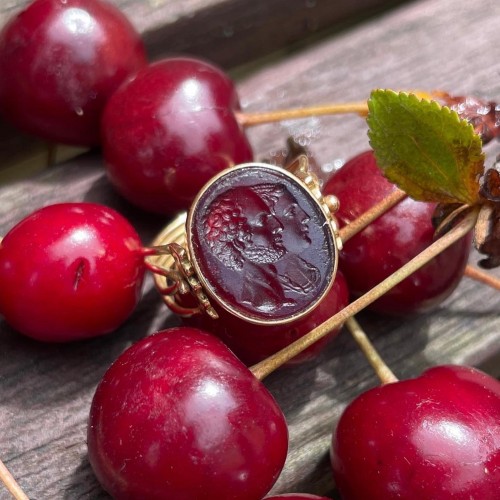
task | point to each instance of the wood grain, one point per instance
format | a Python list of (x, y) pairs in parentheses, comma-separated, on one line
[(230, 32), (45, 390)]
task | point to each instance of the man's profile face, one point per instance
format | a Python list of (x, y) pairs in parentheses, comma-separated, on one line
[(265, 244)]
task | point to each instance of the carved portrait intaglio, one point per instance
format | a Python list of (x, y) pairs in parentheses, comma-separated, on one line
[(261, 243)]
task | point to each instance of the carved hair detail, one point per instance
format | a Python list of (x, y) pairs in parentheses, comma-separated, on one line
[(269, 192), (226, 231)]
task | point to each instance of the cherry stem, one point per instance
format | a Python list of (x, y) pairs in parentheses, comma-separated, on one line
[(148, 251), (11, 484), (360, 108), (267, 366), (364, 220), (384, 373), (482, 276), (249, 119)]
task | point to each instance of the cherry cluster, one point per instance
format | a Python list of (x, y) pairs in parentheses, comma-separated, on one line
[(179, 414), (75, 72)]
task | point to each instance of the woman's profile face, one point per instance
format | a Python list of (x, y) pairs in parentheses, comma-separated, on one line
[(295, 233), (265, 241)]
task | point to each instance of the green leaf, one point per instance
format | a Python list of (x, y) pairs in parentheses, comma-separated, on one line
[(425, 148)]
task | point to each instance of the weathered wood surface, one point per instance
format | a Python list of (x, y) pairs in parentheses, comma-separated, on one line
[(229, 32), (45, 390)]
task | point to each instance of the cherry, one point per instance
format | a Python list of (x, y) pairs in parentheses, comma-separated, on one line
[(253, 343), (169, 130), (296, 496), (391, 241), (70, 271), (179, 416), (60, 60), (436, 436)]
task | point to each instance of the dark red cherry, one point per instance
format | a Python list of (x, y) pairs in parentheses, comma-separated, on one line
[(169, 130), (253, 343), (391, 241), (296, 496), (436, 436), (179, 416), (60, 60), (70, 271)]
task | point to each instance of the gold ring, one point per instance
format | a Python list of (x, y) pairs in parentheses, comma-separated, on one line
[(259, 241)]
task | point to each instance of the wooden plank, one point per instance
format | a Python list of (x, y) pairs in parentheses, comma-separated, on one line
[(45, 390), (229, 32)]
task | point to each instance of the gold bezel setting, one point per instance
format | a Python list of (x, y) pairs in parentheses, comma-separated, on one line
[(183, 275)]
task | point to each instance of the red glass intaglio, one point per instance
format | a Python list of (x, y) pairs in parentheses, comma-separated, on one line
[(262, 245)]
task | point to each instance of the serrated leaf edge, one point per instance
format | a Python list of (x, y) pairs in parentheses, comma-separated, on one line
[(464, 124)]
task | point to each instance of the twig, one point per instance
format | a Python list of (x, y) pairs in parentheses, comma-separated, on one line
[(11, 484), (370, 215), (482, 276), (359, 108), (383, 372), (249, 119)]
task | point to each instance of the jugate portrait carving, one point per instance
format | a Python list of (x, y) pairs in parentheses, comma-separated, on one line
[(245, 236), (263, 245)]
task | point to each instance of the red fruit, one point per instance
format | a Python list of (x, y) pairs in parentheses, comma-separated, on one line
[(436, 436), (169, 130), (391, 241), (70, 271), (296, 496), (253, 343), (179, 416), (60, 60)]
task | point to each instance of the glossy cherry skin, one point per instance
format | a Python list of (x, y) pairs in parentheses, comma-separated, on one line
[(296, 496), (436, 436), (391, 241), (70, 271), (253, 343), (169, 130), (59, 63), (179, 416)]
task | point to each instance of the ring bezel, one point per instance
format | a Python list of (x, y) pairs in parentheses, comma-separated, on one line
[(242, 176)]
